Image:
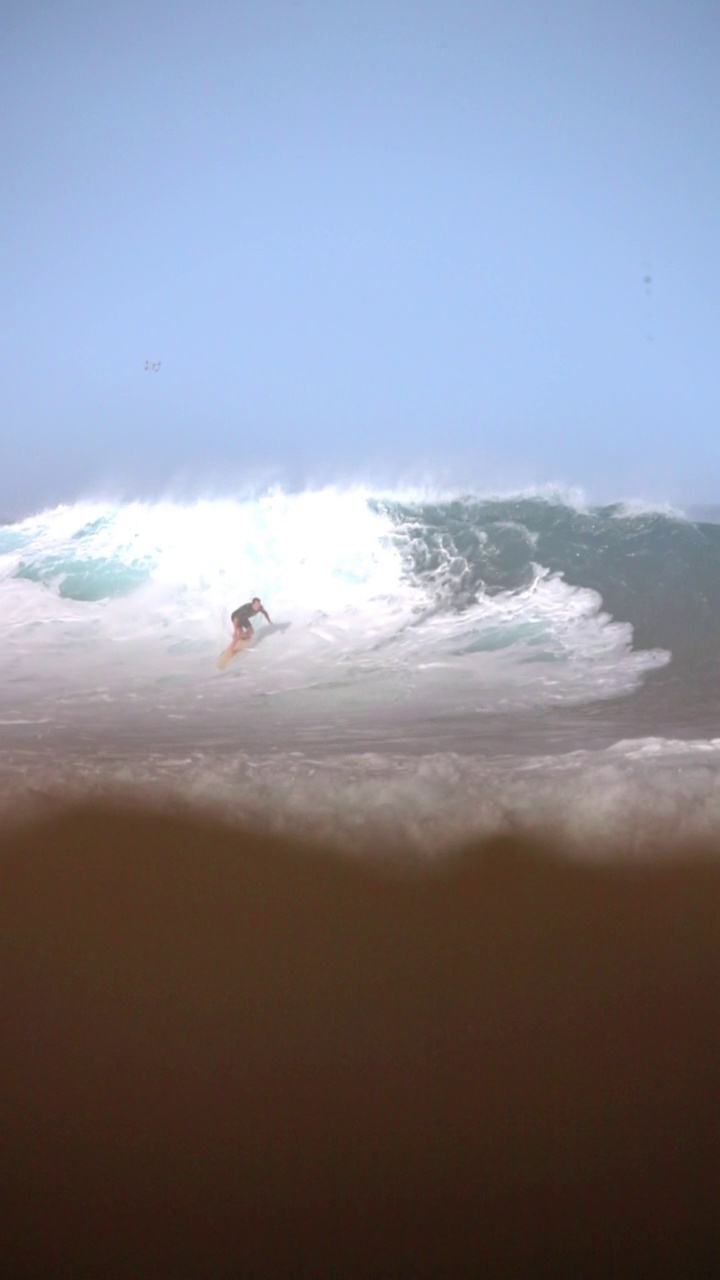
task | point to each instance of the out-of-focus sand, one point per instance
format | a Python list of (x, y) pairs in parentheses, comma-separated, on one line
[(227, 1054)]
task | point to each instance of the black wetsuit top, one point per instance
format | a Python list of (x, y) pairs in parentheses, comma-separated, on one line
[(245, 614)]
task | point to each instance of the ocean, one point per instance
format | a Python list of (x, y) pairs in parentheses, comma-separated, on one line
[(438, 666)]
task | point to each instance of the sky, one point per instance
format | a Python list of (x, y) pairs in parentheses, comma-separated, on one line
[(456, 242)]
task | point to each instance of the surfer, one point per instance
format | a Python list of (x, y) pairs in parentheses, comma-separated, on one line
[(240, 618)]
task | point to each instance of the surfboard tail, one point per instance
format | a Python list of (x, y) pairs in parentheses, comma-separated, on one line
[(229, 653)]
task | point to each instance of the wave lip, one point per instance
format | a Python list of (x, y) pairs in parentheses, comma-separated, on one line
[(637, 799)]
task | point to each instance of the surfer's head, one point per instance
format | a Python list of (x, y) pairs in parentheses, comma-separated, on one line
[(256, 603)]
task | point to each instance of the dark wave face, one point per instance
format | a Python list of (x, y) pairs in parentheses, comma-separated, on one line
[(657, 571)]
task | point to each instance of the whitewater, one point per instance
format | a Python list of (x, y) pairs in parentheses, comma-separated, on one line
[(437, 666)]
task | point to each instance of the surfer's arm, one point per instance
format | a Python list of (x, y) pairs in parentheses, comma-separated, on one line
[(267, 615)]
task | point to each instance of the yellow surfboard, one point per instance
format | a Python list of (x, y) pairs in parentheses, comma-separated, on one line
[(236, 647)]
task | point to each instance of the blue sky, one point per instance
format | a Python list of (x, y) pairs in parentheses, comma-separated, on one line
[(476, 242)]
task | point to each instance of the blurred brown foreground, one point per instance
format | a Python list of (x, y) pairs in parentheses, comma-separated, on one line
[(228, 1055)]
